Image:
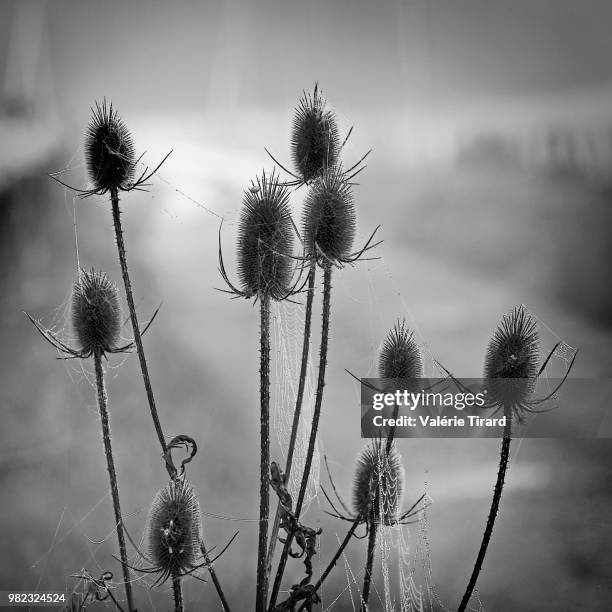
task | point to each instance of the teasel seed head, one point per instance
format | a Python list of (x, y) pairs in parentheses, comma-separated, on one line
[(265, 239), (513, 353), (109, 150), (329, 217), (174, 530), (400, 356), (315, 142), (96, 315), (378, 484)]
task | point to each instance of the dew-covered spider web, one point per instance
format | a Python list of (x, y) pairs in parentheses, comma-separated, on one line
[(288, 326)]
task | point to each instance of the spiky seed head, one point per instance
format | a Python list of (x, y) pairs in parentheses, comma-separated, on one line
[(174, 530), (96, 315), (109, 149), (265, 239), (315, 142), (512, 356), (329, 217), (400, 356), (379, 483)]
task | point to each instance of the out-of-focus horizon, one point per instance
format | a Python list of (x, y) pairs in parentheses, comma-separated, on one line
[(491, 175)]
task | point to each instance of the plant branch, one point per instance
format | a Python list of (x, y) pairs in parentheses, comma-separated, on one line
[(178, 593), (264, 487), (367, 577), (497, 492), (110, 465), (334, 560), (215, 580), (135, 328)]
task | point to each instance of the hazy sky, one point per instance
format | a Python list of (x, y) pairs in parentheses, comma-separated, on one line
[(373, 54)]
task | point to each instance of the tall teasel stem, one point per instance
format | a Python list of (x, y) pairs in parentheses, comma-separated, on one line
[(298, 403), (265, 242), (264, 487), (511, 368), (497, 493), (327, 286), (111, 164), (110, 465), (134, 318)]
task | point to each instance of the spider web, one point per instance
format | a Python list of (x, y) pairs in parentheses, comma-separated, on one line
[(288, 325)]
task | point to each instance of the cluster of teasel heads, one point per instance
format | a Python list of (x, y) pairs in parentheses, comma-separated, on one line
[(268, 269), (175, 546)]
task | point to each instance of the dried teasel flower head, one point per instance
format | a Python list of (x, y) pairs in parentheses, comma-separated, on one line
[(265, 239), (511, 362), (109, 150), (378, 484), (329, 218), (315, 142), (174, 530), (96, 315), (400, 356)]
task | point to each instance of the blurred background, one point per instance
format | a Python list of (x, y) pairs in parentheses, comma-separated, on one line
[(491, 175)]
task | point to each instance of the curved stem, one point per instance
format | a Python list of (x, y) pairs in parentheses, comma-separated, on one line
[(497, 492), (178, 593), (110, 465), (367, 577), (135, 328), (327, 275), (264, 487), (298, 405)]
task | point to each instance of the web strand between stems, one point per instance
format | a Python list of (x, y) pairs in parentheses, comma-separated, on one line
[(497, 493), (298, 406), (134, 319), (112, 474), (264, 489), (327, 276)]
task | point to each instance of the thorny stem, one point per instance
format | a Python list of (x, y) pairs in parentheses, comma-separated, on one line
[(327, 275), (298, 405), (178, 593), (215, 580), (332, 563), (110, 465), (264, 491), (136, 329), (367, 577), (497, 492)]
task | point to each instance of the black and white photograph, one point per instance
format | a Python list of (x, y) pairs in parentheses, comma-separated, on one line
[(306, 305)]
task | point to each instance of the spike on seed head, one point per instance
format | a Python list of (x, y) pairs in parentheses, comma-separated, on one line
[(400, 357), (378, 484), (109, 149), (174, 530), (96, 315), (329, 217), (513, 353), (315, 142), (265, 239)]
